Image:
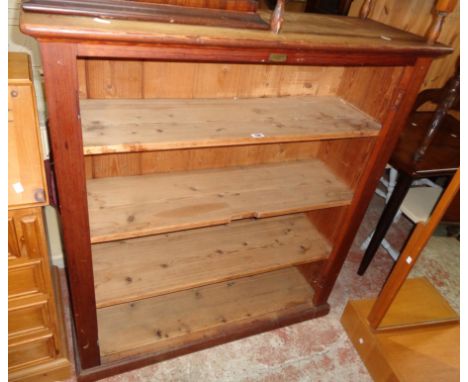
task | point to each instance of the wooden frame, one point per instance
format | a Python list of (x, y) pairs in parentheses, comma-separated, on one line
[(62, 46)]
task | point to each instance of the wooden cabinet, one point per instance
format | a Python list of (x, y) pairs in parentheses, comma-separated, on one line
[(212, 180), (36, 340), (26, 177)]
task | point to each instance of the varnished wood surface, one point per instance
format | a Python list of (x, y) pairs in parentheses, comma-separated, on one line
[(26, 176), (403, 96), (411, 252), (233, 5), (361, 43), (305, 31), (417, 303), (126, 207), (152, 162), (162, 264), (143, 125), (36, 343), (169, 321), (416, 16), (19, 70), (59, 64), (442, 155), (110, 79), (421, 353), (149, 11)]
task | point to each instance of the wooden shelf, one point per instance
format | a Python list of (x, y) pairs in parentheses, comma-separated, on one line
[(128, 207), (162, 264), (113, 126), (216, 312), (306, 31)]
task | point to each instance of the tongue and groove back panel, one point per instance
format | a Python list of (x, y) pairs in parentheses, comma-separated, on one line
[(368, 88)]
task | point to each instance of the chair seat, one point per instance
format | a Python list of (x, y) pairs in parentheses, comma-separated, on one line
[(443, 154), (419, 203)]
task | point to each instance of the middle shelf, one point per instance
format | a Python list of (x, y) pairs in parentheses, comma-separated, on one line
[(134, 206), (130, 270), (130, 125)]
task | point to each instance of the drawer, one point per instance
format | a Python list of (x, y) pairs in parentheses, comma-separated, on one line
[(31, 352), (26, 235), (25, 279), (28, 315)]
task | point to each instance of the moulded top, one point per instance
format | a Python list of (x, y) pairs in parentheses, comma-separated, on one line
[(305, 31)]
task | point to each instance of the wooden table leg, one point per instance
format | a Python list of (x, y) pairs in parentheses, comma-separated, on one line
[(386, 220)]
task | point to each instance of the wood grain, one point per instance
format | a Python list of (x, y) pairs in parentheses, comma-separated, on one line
[(152, 11), (32, 303), (61, 80), (411, 252), (419, 354), (28, 315), (417, 303), (209, 80), (150, 162), (25, 157), (300, 31), (404, 95), (145, 125), (162, 323), (162, 264), (328, 221), (237, 5), (370, 89), (126, 207), (416, 16), (114, 79), (19, 70), (346, 158)]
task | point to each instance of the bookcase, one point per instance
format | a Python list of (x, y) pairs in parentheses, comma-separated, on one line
[(211, 180)]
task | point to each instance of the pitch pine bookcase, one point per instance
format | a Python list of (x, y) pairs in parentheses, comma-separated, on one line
[(211, 180)]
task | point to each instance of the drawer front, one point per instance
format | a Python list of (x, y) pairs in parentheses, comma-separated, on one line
[(25, 279), (32, 352), (26, 175), (27, 316), (26, 235)]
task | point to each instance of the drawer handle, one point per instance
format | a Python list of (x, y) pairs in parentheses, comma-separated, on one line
[(14, 93)]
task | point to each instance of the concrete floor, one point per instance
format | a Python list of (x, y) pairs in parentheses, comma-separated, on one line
[(315, 350)]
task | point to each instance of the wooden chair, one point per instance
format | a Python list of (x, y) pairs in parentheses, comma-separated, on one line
[(429, 146)]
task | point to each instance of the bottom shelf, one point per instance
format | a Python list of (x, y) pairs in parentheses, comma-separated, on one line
[(183, 321)]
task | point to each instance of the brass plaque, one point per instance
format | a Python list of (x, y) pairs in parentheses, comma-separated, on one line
[(277, 57)]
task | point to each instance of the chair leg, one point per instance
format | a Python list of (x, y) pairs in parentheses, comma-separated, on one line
[(401, 189)]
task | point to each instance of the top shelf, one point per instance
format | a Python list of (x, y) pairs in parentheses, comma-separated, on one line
[(336, 35), (116, 126)]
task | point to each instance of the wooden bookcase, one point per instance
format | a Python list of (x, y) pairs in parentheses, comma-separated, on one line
[(211, 180)]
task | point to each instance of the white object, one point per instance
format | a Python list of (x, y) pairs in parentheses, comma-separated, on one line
[(18, 187), (102, 21), (257, 135), (417, 205)]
